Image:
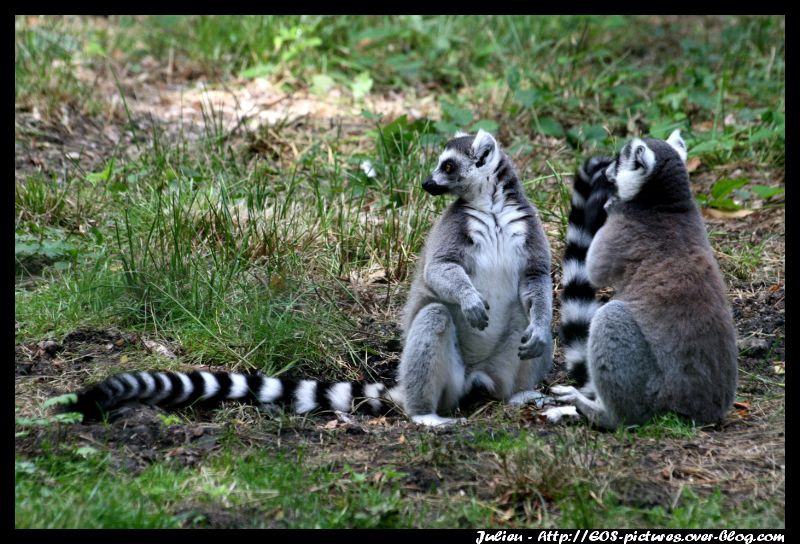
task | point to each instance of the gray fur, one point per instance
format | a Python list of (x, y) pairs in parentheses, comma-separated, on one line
[(480, 304), (667, 341)]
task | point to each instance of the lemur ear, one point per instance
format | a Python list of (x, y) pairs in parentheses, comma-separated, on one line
[(678, 144), (459, 134), (484, 148)]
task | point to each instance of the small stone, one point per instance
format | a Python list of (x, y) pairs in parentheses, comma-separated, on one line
[(50, 346), (753, 346)]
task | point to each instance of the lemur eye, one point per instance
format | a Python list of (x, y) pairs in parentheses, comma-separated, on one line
[(637, 157), (447, 167)]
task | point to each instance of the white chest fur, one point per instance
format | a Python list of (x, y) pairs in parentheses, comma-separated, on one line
[(498, 260), (499, 234)]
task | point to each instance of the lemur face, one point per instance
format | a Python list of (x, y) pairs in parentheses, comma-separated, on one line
[(638, 160), (465, 166)]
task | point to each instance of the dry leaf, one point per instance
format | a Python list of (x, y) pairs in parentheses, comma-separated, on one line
[(725, 214), (402, 439), (775, 287), (742, 405), (374, 274), (779, 367), (507, 515), (377, 421), (693, 163), (331, 424), (705, 126), (158, 349)]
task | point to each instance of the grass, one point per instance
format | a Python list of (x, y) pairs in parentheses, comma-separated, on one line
[(535, 481), (279, 485), (270, 248)]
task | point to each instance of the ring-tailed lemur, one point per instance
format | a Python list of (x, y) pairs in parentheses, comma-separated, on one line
[(477, 318), (667, 340), (591, 190)]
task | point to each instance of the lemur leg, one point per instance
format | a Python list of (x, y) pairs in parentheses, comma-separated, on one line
[(622, 368), (622, 365), (592, 408), (431, 371)]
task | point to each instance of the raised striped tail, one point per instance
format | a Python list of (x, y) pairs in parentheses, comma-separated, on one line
[(209, 389), (591, 190)]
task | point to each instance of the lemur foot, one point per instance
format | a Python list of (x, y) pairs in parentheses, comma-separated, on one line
[(559, 414), (565, 393), (433, 420), (540, 400)]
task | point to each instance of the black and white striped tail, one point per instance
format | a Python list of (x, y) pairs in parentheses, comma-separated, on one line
[(590, 192), (209, 389)]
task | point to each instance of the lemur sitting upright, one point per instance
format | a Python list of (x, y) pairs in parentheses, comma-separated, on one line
[(477, 320), (667, 339), (479, 311)]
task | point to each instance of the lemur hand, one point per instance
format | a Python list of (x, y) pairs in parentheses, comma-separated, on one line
[(534, 341), (475, 308)]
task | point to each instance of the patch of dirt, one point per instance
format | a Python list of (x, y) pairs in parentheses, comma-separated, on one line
[(136, 435), (641, 493), (383, 340), (72, 143), (761, 326), (203, 516), (177, 98), (745, 457), (184, 105), (79, 350)]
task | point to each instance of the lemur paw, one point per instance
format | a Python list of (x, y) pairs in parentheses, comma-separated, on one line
[(475, 311), (433, 420), (559, 414), (534, 340), (540, 400), (611, 203), (565, 393)]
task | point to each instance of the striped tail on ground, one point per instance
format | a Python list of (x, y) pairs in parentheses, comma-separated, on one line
[(591, 190), (209, 389)]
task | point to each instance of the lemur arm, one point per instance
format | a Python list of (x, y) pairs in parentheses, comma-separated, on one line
[(603, 263), (449, 281), (536, 295)]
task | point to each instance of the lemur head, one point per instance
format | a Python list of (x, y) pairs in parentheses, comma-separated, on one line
[(466, 166), (651, 171)]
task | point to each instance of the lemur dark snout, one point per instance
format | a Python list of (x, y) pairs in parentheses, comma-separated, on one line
[(432, 187)]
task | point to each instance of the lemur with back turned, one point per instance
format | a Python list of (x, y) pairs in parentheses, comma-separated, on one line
[(667, 341)]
